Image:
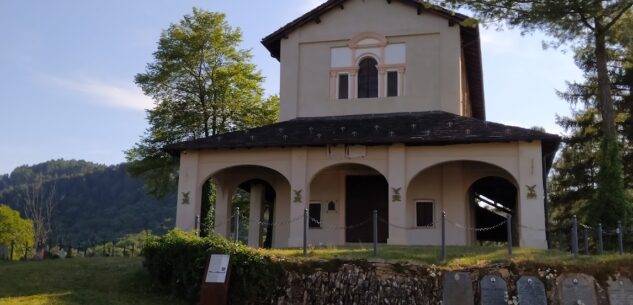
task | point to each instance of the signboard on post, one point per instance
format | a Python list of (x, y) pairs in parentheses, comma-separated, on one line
[(215, 282)]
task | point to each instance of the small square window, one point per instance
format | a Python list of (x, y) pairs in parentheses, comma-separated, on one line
[(343, 86), (392, 83), (424, 213), (315, 215)]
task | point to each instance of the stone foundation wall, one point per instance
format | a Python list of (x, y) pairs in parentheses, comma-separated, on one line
[(397, 284)]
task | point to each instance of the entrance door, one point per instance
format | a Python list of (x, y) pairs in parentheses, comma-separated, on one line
[(364, 194)]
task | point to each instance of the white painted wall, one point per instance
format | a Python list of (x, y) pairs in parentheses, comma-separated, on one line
[(432, 55), (319, 173)]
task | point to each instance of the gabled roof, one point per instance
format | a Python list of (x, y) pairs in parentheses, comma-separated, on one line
[(469, 40), (430, 128)]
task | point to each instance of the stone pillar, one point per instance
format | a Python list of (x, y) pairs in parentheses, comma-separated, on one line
[(189, 192), (255, 212), (299, 195), (531, 201), (397, 194), (455, 205), (223, 212)]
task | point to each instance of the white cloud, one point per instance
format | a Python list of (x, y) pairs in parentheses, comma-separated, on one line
[(105, 93)]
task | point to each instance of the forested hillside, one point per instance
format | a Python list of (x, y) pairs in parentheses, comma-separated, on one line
[(94, 203)]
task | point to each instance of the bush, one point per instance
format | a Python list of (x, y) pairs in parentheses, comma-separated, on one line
[(176, 263)]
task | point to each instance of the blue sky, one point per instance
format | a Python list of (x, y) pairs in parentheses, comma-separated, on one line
[(67, 69)]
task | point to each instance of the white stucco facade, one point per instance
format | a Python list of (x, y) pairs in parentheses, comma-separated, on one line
[(424, 52)]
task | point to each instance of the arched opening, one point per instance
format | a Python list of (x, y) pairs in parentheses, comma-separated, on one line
[(492, 200), (367, 78), (473, 195), (345, 196), (254, 196), (259, 193)]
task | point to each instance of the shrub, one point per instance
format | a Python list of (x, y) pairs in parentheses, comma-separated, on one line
[(176, 263)]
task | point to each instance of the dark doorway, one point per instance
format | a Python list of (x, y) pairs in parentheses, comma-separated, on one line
[(363, 195), (493, 198)]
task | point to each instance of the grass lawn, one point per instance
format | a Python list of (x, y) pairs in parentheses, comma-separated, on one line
[(82, 281), (457, 256)]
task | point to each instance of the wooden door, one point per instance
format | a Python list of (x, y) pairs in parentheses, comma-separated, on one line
[(364, 194)]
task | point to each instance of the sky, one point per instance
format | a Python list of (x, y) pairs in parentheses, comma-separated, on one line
[(67, 69)]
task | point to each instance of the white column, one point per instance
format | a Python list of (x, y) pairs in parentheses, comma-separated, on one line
[(299, 195), (531, 210), (223, 211), (397, 186), (455, 205), (255, 211), (189, 190)]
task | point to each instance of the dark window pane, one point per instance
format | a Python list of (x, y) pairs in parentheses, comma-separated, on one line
[(367, 78), (343, 85), (392, 83), (424, 213), (315, 215)]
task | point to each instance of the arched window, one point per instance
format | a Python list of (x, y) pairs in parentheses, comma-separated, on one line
[(367, 78)]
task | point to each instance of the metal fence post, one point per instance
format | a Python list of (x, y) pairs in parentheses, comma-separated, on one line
[(586, 237), (620, 238), (237, 224), (305, 231), (197, 225), (509, 232), (443, 251), (574, 236), (600, 243), (375, 227)]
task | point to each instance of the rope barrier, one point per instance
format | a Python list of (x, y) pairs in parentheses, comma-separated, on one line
[(404, 228), (334, 227), (476, 229)]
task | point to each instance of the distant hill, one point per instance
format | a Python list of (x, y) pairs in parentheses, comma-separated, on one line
[(96, 202)]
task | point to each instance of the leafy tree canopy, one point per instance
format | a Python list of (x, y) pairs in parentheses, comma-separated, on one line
[(14, 229), (202, 84)]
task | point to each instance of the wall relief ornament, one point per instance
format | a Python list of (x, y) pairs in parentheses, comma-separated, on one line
[(531, 191), (396, 194), (185, 198), (297, 196)]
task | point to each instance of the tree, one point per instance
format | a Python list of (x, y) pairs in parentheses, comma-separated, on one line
[(578, 181), (39, 204), (202, 85), (15, 230), (588, 26)]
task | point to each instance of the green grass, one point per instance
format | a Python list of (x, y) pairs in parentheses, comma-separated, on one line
[(92, 281), (457, 256)]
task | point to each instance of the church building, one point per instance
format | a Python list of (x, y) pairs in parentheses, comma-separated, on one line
[(381, 108)]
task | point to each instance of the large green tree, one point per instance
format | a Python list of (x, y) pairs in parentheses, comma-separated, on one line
[(202, 84), (584, 26), (15, 230), (585, 161)]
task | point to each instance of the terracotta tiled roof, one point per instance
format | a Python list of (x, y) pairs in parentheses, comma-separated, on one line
[(469, 40), (413, 129)]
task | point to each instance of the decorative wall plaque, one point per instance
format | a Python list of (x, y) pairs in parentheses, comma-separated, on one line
[(494, 290), (620, 291), (531, 291), (297, 196), (396, 194), (457, 289), (531, 191), (185, 198), (577, 289)]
